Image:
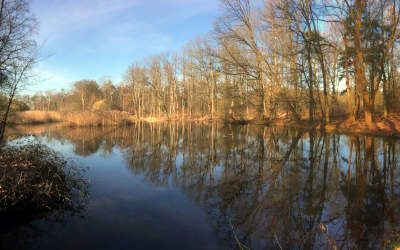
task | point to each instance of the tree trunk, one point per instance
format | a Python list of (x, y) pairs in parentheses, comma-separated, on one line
[(359, 63), (5, 117)]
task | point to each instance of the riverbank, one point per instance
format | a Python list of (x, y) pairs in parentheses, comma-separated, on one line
[(389, 126), (92, 119), (80, 119), (35, 180)]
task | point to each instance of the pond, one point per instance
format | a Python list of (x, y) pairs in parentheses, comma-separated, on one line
[(214, 186)]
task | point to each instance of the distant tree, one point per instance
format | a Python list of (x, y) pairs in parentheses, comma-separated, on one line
[(109, 94), (87, 92)]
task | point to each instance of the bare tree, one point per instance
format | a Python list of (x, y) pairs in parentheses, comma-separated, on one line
[(17, 49)]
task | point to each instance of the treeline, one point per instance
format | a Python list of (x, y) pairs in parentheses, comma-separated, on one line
[(296, 59)]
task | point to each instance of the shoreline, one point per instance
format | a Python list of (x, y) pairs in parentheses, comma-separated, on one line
[(387, 127), (336, 127)]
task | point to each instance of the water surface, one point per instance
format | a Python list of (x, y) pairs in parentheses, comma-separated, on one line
[(196, 186)]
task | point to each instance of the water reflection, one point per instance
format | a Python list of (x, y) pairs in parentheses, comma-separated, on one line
[(264, 187)]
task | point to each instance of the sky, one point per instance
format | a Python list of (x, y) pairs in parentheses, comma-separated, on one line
[(97, 39)]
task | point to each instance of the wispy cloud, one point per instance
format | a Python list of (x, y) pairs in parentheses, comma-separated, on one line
[(91, 38), (64, 16)]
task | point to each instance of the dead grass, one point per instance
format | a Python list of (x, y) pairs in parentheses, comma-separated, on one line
[(98, 118), (92, 118), (152, 119), (34, 180), (104, 118), (35, 117)]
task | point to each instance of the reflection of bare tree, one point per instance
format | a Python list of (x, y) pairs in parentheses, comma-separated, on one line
[(372, 192), (270, 185)]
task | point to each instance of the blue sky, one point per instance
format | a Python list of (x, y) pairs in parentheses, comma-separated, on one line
[(92, 39)]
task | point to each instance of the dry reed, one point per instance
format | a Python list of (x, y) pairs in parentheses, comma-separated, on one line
[(89, 118), (34, 180), (35, 117)]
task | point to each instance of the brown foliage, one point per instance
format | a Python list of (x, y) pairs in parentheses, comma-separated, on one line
[(35, 179)]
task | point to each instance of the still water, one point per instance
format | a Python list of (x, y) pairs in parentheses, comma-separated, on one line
[(196, 186)]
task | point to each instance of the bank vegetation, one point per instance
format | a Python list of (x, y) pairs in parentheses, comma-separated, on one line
[(34, 180)]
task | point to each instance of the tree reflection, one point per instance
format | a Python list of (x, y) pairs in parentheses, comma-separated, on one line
[(267, 187)]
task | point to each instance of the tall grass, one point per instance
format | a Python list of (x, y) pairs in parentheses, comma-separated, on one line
[(90, 118), (82, 119), (35, 117), (104, 118)]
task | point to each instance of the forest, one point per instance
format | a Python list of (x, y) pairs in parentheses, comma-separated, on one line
[(316, 60)]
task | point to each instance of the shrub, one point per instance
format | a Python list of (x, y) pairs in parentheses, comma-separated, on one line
[(34, 179)]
